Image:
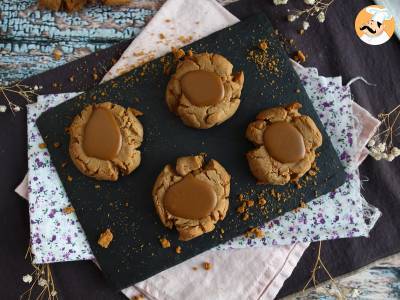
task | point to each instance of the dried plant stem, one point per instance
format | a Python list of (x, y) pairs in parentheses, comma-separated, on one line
[(24, 91), (42, 279), (317, 265), (318, 7)]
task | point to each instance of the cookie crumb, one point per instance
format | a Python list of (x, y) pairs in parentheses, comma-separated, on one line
[(57, 54), (263, 45), (303, 204), (178, 250), (97, 186), (56, 145), (250, 203), (262, 201), (190, 53), (69, 178), (64, 164), (42, 145), (312, 173), (241, 209), (165, 243), (68, 210), (299, 56), (245, 217), (105, 238), (161, 36), (71, 79), (178, 53), (254, 232), (207, 266), (194, 268), (241, 197)]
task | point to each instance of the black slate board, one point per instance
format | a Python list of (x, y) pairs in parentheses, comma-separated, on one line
[(135, 253)]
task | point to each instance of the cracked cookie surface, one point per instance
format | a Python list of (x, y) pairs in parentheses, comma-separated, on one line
[(127, 136), (286, 143), (201, 185), (212, 105)]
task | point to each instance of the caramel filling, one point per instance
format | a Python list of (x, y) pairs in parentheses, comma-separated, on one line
[(190, 198), (202, 88), (102, 138), (284, 142)]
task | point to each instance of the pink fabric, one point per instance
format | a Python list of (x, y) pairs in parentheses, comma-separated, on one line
[(368, 126)]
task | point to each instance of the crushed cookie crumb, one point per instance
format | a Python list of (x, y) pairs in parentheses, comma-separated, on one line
[(312, 172), (178, 53), (262, 201), (64, 164), (57, 54), (138, 297), (241, 197), (207, 266), (241, 209), (303, 204), (194, 268), (68, 210), (299, 57), (254, 232), (250, 203), (263, 45), (42, 145), (165, 243), (178, 250), (190, 53), (95, 76), (71, 79), (69, 178), (245, 217), (97, 186), (56, 145), (161, 36), (105, 238)]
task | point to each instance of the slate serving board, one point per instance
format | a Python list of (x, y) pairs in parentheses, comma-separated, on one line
[(126, 206)]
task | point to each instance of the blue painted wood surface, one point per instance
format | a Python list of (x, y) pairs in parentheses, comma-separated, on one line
[(28, 38)]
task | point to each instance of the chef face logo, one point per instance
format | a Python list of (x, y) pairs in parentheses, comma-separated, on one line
[(374, 25)]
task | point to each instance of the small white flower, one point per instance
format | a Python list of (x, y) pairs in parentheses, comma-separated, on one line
[(321, 17), (390, 157), (35, 87), (385, 156), (53, 293), (42, 282), (3, 108), (306, 25), (292, 18), (27, 278), (376, 156), (395, 151), (371, 143), (309, 2), (16, 108), (381, 147), (280, 2)]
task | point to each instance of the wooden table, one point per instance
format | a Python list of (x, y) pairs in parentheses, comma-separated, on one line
[(28, 39)]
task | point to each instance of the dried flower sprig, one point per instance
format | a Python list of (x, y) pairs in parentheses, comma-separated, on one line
[(41, 278), (25, 92), (381, 145), (315, 8), (318, 265)]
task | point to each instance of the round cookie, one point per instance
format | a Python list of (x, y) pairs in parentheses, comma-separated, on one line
[(286, 143), (103, 141), (204, 92), (192, 196)]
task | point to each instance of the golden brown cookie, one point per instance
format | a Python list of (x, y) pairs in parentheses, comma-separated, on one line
[(193, 196), (204, 92), (286, 143), (103, 141)]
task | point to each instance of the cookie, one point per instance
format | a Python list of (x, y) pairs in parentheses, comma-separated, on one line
[(192, 196), (103, 141), (204, 92), (286, 142)]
